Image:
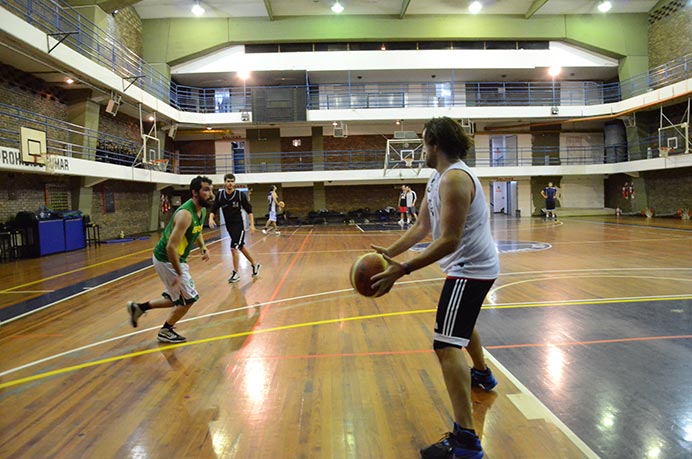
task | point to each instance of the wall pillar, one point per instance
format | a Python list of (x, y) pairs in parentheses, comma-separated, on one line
[(317, 148), (84, 113), (154, 214), (319, 196)]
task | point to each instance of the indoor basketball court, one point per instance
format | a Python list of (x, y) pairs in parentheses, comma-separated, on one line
[(580, 330)]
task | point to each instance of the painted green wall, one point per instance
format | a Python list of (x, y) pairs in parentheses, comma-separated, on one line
[(177, 40)]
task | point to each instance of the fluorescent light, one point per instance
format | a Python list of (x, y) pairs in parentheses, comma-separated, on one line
[(554, 70), (475, 7), (604, 7), (337, 8), (197, 9)]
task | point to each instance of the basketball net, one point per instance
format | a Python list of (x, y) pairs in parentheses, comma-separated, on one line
[(664, 151), (48, 162), (408, 161)]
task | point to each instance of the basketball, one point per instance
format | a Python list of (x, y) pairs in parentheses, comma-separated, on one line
[(282, 204), (363, 269)]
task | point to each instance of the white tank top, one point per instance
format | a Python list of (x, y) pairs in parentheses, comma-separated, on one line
[(476, 255)]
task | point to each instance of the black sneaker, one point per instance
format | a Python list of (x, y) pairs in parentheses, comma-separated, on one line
[(256, 269), (168, 335), (458, 445), (135, 312), (234, 278), (483, 379)]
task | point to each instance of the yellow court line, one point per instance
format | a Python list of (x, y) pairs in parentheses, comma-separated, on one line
[(311, 324), (202, 341), (74, 271)]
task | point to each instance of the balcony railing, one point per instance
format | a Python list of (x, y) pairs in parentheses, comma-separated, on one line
[(57, 17)]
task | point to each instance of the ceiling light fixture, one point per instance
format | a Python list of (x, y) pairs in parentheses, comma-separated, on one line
[(337, 8), (554, 71), (197, 9), (604, 7), (69, 80), (475, 7)]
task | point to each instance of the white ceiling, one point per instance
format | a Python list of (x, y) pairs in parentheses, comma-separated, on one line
[(155, 9)]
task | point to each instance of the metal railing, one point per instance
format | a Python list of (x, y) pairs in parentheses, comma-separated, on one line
[(57, 18), (72, 140)]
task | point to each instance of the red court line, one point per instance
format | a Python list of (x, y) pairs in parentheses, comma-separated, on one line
[(275, 293), (350, 354), (425, 351), (35, 335), (581, 343)]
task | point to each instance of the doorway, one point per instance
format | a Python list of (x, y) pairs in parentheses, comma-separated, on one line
[(503, 198)]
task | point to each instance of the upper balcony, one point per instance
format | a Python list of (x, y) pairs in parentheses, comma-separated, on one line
[(323, 96)]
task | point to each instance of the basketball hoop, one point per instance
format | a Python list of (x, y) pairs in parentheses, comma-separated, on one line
[(408, 161), (160, 164), (664, 151)]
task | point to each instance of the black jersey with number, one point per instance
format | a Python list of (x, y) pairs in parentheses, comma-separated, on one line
[(231, 204)]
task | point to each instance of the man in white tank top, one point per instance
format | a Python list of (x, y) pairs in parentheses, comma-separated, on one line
[(454, 210)]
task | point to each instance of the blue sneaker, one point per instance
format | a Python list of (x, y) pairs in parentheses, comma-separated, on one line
[(483, 379), (461, 444)]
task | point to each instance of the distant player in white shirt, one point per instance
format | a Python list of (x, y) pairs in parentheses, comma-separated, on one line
[(411, 198)]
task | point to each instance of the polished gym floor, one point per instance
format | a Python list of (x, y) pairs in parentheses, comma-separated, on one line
[(588, 330)]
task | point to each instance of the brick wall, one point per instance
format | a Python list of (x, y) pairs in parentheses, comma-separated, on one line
[(669, 190), (126, 26), (21, 192), (132, 208), (197, 154), (670, 29), (22, 91), (291, 157), (120, 125), (361, 148), (300, 201)]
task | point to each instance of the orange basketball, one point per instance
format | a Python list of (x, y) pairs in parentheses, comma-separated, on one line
[(363, 269)]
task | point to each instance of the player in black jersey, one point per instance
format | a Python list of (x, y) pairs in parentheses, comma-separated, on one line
[(231, 201)]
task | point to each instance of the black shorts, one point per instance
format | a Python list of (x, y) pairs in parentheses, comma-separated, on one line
[(460, 303), (549, 204), (237, 233)]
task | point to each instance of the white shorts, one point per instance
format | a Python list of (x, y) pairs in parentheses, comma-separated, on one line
[(168, 275), (272, 216)]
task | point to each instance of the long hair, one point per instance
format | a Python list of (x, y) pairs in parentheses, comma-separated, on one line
[(449, 137)]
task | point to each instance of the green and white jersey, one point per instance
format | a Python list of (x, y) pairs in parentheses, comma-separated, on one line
[(191, 235)]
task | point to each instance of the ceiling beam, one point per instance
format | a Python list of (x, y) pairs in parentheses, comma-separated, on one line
[(535, 6), (268, 7), (404, 7)]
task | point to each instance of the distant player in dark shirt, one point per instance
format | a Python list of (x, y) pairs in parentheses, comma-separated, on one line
[(550, 193), (231, 201)]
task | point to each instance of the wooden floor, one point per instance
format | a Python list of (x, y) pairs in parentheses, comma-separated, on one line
[(294, 364)]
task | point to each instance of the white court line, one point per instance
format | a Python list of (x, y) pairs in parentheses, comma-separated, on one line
[(547, 414), (299, 298)]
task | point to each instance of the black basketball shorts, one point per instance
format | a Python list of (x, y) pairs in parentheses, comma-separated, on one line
[(237, 234), (460, 303)]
